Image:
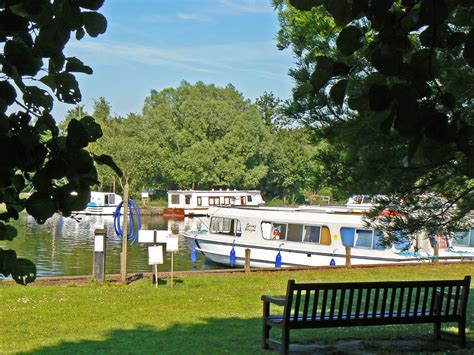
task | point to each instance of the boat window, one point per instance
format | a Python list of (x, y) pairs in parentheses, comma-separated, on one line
[(325, 236), (175, 199), (295, 232), (347, 235), (312, 234), (214, 201), (439, 240), (227, 201), (378, 236), (249, 198), (363, 238), (403, 243), (199, 201), (187, 199), (274, 230), (461, 239), (228, 226), (106, 199)]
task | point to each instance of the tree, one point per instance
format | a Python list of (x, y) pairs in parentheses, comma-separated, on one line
[(206, 137), (34, 70), (395, 76)]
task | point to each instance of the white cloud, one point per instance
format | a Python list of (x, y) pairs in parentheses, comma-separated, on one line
[(257, 58)]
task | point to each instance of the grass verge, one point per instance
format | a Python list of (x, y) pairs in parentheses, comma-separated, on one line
[(200, 314)]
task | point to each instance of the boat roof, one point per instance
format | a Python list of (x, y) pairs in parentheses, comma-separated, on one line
[(287, 214)]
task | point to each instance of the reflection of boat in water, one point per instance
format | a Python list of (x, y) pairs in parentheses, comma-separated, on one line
[(101, 203), (298, 237)]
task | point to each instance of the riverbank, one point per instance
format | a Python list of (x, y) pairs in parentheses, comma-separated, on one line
[(202, 313)]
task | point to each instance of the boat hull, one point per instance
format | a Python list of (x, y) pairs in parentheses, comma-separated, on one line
[(265, 256)]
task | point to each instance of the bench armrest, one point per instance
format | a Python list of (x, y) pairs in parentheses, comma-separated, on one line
[(276, 300)]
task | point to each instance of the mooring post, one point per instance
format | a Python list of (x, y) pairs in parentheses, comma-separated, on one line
[(348, 256), (123, 264), (99, 255), (247, 260)]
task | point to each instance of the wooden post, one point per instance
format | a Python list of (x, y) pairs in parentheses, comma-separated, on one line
[(172, 263), (99, 255), (156, 275), (436, 253), (348, 256), (123, 271), (247, 260)]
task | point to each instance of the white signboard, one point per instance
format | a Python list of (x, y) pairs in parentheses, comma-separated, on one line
[(145, 195), (155, 255), (99, 242), (146, 236), (161, 236), (172, 244)]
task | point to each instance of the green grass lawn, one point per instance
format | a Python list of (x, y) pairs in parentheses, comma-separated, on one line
[(200, 314)]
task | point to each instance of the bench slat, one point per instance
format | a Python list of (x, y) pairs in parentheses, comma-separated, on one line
[(315, 304), (367, 302), (306, 304), (323, 306), (341, 303), (359, 303), (408, 302), (400, 301), (297, 303), (333, 304)]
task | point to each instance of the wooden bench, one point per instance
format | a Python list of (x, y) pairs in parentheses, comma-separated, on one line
[(321, 305)]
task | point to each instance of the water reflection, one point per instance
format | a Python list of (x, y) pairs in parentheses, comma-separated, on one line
[(64, 246)]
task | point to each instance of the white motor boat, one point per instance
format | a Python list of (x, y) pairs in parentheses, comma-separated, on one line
[(297, 237)]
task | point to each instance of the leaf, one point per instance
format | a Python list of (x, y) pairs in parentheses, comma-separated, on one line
[(74, 64), (340, 68), (350, 39), (340, 10), (77, 135), (7, 232), (387, 60), (338, 91), (91, 4), (24, 271), (92, 128), (468, 52), (433, 12), (305, 5), (80, 33), (107, 160), (379, 97), (94, 23), (40, 206), (7, 261), (7, 95), (322, 73), (448, 100), (424, 65), (38, 99), (67, 88)]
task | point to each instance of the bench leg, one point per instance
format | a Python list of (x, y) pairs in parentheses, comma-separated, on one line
[(285, 341), (462, 333), (437, 330), (266, 327), (266, 335)]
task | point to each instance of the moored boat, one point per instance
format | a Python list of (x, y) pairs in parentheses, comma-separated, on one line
[(101, 203), (197, 202), (296, 237)]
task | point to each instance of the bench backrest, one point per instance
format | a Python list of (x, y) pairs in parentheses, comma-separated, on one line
[(372, 302)]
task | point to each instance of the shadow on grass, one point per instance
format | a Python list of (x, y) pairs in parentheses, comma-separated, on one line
[(240, 336)]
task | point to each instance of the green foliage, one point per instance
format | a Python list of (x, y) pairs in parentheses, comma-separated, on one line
[(395, 112), (34, 71)]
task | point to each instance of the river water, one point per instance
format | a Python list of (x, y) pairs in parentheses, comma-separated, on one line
[(64, 246)]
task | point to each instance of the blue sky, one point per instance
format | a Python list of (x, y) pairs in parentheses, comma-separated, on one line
[(154, 44)]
